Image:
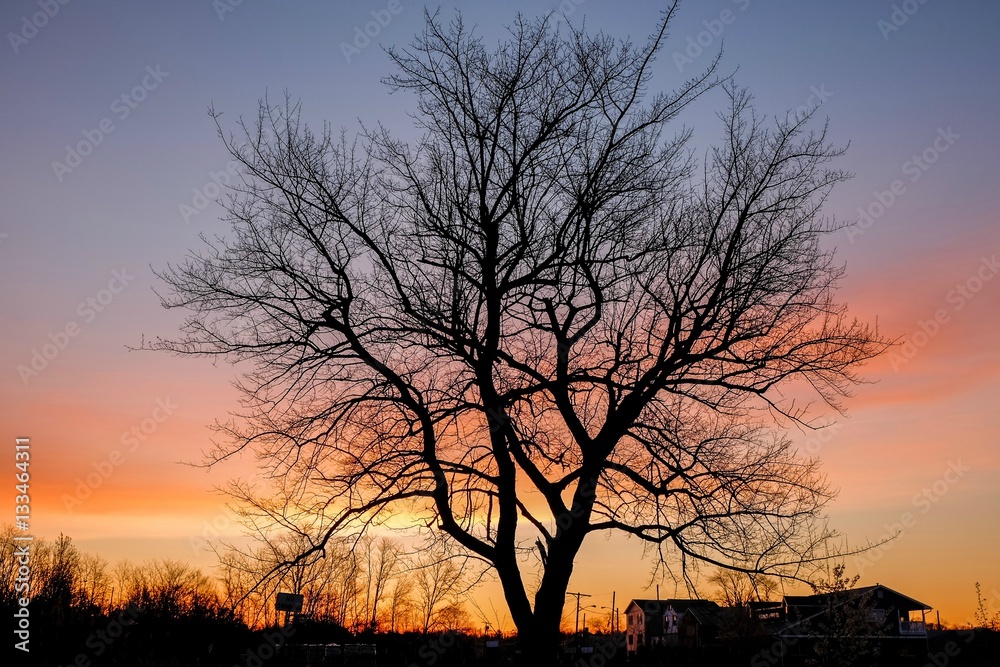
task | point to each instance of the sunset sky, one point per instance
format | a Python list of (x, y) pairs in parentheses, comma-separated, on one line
[(109, 163)]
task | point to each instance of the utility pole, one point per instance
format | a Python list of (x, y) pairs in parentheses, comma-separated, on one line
[(614, 618), (578, 596)]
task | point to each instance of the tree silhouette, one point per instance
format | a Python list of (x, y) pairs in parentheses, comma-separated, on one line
[(540, 321), (439, 578), (983, 618), (738, 589), (848, 629)]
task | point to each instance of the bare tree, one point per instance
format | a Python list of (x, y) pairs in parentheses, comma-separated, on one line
[(328, 581), (453, 617), (96, 581), (239, 591), (169, 589), (382, 561), (540, 317), (439, 579), (14, 584), (400, 603), (983, 618), (57, 578), (124, 582), (737, 589)]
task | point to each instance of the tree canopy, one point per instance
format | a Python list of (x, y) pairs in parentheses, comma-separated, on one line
[(541, 320)]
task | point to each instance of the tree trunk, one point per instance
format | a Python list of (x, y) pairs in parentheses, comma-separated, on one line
[(539, 645), (540, 635)]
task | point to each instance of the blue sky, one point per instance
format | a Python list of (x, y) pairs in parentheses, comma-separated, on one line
[(898, 80)]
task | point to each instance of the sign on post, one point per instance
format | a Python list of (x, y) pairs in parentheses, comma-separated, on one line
[(288, 602)]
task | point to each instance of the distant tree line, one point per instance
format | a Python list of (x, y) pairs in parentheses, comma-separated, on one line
[(86, 611), (365, 584)]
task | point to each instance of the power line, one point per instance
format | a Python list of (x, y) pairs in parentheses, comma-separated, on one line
[(578, 596)]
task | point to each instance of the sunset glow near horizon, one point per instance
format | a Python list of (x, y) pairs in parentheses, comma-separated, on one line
[(111, 166)]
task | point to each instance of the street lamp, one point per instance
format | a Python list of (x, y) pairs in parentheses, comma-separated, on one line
[(584, 608)]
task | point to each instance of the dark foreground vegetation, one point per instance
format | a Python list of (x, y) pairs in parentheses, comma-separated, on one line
[(150, 638), (83, 613)]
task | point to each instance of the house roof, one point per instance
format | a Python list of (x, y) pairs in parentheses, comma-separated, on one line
[(912, 605), (903, 602), (713, 616), (679, 605), (648, 606), (812, 606)]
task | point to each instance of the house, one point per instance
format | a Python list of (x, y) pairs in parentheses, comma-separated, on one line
[(888, 613), (875, 618), (893, 624), (704, 626), (656, 622)]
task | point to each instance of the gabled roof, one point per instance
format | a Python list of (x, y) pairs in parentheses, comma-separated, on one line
[(679, 605), (810, 607), (647, 606), (912, 605), (820, 599)]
